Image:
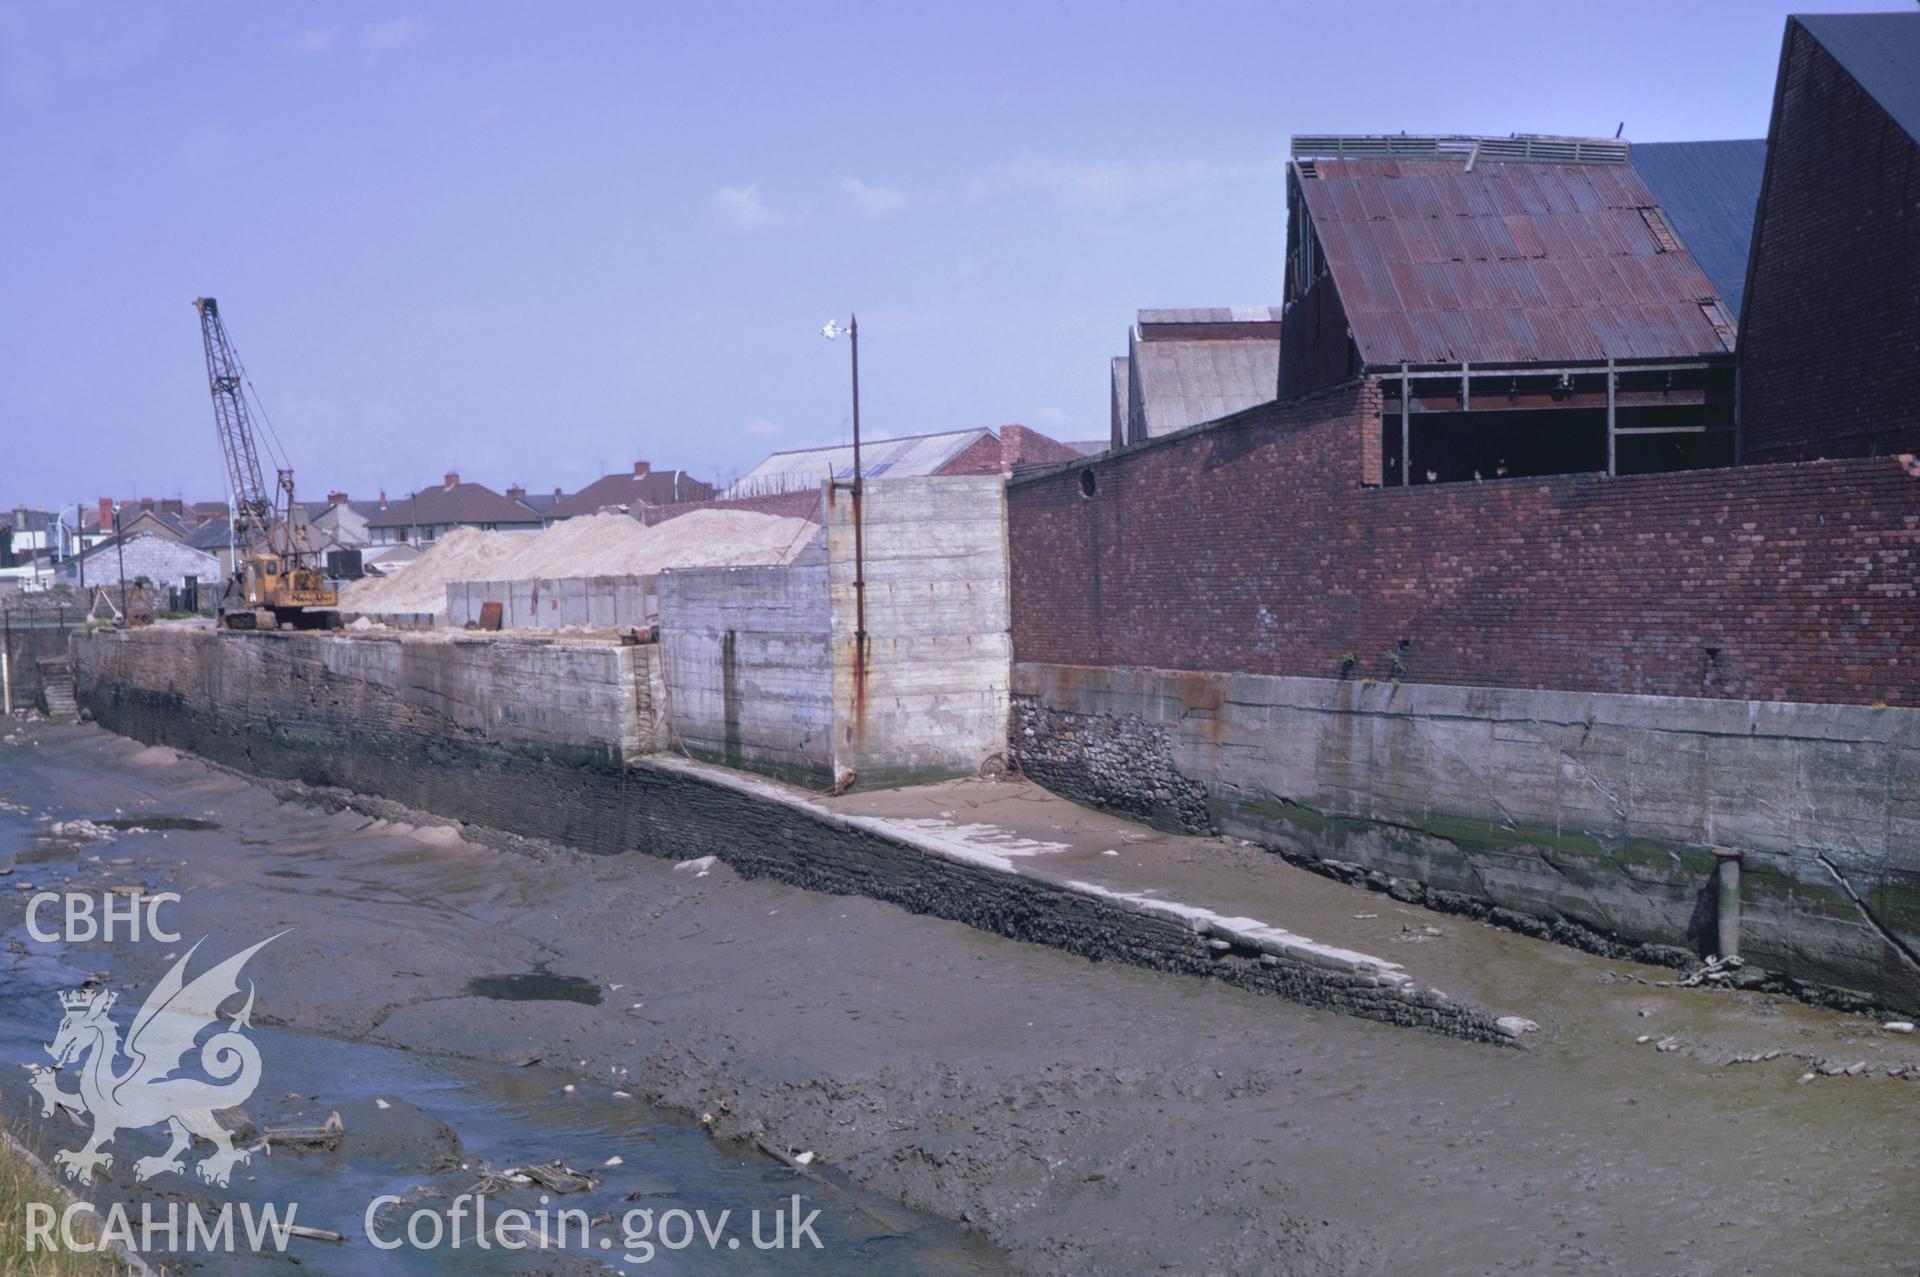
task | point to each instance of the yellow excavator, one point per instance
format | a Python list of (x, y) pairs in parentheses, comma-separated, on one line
[(276, 577)]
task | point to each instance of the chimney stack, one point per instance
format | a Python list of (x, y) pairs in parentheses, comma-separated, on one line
[(641, 469), (383, 498), (106, 514), (336, 498), (453, 479), (516, 492)]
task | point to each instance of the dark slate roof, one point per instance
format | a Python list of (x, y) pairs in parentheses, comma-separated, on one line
[(1506, 263), (1709, 191), (1881, 51), (656, 487), (460, 503), (543, 501), (211, 535)]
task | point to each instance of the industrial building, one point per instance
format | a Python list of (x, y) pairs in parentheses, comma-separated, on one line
[(1828, 342)]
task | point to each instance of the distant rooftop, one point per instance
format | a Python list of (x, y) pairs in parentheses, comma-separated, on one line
[(901, 457)]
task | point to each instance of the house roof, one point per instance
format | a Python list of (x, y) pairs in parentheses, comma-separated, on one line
[(1709, 191), (1507, 263), (365, 509), (656, 487), (1881, 51), (455, 503), (211, 535), (906, 456), (159, 516), (543, 501)]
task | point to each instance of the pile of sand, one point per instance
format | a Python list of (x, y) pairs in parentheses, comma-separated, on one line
[(592, 545), (464, 554)]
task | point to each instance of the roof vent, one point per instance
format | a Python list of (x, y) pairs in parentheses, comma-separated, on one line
[(1519, 148)]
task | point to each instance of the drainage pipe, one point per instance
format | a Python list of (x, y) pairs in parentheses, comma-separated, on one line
[(1726, 892)]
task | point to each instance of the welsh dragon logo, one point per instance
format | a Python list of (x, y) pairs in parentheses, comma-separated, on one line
[(147, 1092)]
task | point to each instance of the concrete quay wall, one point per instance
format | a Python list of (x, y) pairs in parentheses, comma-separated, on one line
[(353, 716), (1585, 817), (589, 602)]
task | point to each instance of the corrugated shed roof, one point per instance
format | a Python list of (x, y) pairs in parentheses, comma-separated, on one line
[(908, 456), (1505, 264), (1183, 383), (1212, 315), (1709, 191), (1879, 50)]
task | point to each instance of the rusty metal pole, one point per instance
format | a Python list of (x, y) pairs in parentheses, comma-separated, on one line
[(120, 551), (859, 548)]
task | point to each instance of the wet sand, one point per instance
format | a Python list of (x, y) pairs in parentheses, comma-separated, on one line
[(1087, 1118)]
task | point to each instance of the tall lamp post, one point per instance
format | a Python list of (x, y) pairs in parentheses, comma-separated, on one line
[(120, 552), (852, 330)]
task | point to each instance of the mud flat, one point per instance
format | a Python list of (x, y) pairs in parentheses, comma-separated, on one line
[(1086, 1117)]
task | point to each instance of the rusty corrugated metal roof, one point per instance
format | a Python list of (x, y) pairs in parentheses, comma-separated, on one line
[(1506, 263)]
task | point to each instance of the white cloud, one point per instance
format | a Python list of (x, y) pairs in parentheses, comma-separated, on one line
[(314, 40), (873, 201), (742, 207), (1105, 183), (761, 428), (392, 35)]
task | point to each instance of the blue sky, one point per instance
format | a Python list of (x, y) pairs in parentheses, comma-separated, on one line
[(535, 242)]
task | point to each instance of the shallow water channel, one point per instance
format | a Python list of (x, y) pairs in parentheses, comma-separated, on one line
[(425, 1129)]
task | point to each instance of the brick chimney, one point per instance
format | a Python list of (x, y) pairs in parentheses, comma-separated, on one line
[(453, 479), (641, 469), (106, 513), (336, 498), (383, 498), (517, 492)]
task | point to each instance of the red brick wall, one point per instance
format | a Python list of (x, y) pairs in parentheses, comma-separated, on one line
[(1253, 547), (982, 456), (1831, 337), (1020, 446)]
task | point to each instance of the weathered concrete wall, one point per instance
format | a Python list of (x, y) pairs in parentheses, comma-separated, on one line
[(397, 720), (749, 667), (1584, 816), (389, 695), (930, 698), (593, 602)]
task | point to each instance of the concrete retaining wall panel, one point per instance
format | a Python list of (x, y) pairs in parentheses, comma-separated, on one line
[(1591, 813)]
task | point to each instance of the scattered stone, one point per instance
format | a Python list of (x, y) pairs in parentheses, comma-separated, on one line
[(1898, 1026), (1514, 1025), (1366, 915), (1667, 1044), (698, 867), (1805, 1078), (1643, 1039)]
